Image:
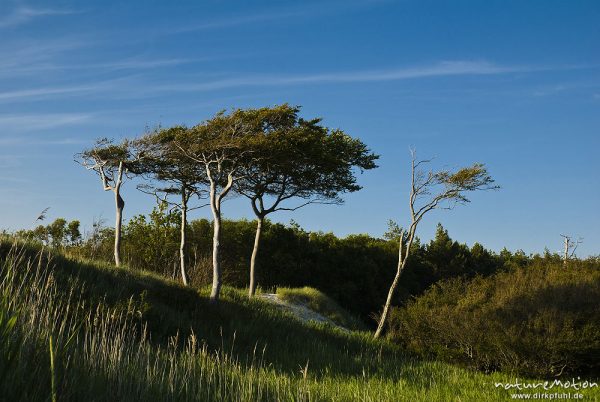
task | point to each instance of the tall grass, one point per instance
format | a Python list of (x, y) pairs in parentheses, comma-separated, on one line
[(97, 349)]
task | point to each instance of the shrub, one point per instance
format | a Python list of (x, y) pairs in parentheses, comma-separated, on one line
[(538, 320)]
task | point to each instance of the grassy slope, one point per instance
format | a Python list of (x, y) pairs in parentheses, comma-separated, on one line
[(239, 350), (322, 304)]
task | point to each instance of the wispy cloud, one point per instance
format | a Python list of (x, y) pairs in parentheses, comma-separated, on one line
[(36, 93), (443, 69), (24, 14), (581, 87), (237, 21), (39, 142), (30, 94), (104, 66), (62, 54), (304, 9), (135, 87), (31, 122), (26, 55)]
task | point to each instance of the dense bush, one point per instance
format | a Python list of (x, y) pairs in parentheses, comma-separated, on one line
[(542, 319)]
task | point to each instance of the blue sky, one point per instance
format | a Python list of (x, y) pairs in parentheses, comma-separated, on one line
[(513, 84)]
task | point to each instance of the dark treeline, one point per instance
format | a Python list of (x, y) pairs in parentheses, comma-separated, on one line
[(352, 270)]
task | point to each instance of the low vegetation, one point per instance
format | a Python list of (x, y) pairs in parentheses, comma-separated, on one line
[(540, 320)]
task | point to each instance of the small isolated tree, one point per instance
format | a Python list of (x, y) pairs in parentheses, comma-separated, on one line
[(298, 159), (220, 146), (570, 246), (112, 163), (432, 190), (178, 176)]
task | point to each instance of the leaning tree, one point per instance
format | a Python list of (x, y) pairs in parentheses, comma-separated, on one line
[(112, 163), (297, 160), (175, 175), (432, 190), (220, 146)]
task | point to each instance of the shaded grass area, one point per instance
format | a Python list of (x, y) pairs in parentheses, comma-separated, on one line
[(125, 335), (236, 324)]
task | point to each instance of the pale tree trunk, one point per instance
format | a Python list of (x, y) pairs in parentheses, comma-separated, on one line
[(120, 204), (216, 283), (401, 262), (215, 206), (252, 287), (184, 277)]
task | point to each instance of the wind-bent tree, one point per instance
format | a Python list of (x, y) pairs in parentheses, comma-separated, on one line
[(112, 162), (432, 190), (181, 176), (298, 159), (220, 146)]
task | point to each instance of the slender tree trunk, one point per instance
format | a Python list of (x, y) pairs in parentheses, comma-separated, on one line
[(215, 206), (401, 262), (182, 242), (216, 284), (252, 287), (120, 205), (388, 303)]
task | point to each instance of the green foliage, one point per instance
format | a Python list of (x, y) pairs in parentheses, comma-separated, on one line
[(540, 320), (322, 304), (169, 171), (153, 242), (107, 155), (59, 233), (456, 183), (297, 158)]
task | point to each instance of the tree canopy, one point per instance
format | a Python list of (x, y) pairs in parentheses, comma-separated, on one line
[(297, 158)]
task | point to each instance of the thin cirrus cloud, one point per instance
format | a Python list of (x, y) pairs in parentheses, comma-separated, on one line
[(307, 10), (31, 122), (137, 88), (30, 94), (237, 21), (442, 69), (21, 141), (24, 14), (128, 64)]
